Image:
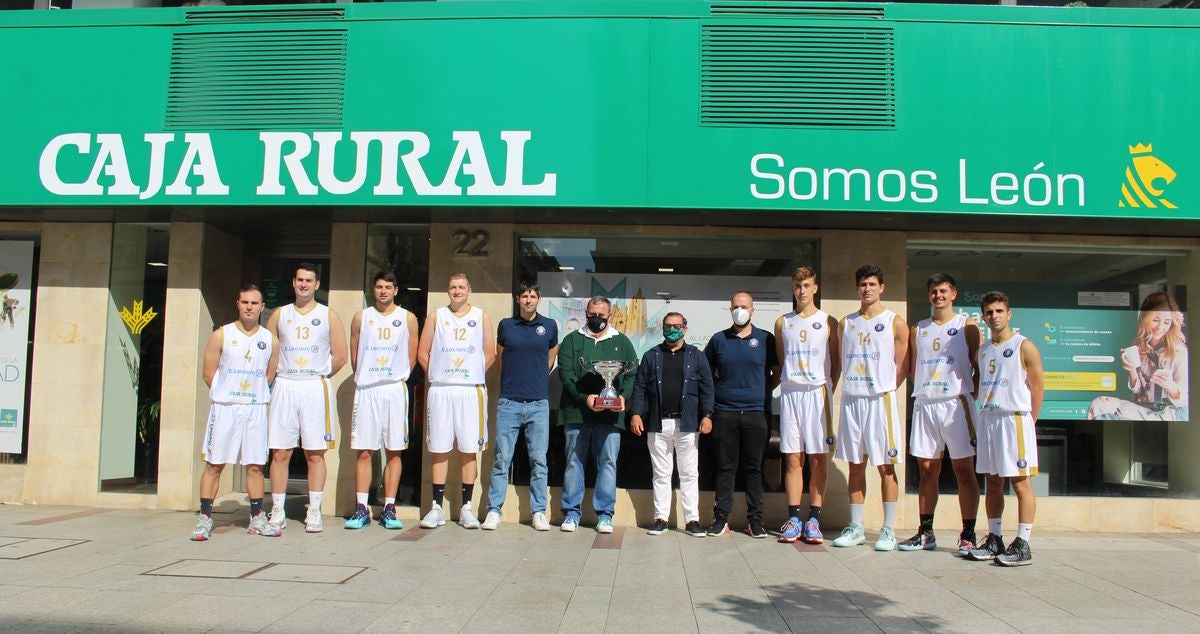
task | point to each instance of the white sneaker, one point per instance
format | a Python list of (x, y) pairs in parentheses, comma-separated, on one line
[(466, 517), (569, 525), (312, 521), (541, 522), (278, 518), (434, 518), (491, 522)]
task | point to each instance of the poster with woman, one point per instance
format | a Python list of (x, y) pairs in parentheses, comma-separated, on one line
[(1154, 366)]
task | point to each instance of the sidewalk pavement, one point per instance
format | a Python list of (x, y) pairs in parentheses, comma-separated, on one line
[(80, 569)]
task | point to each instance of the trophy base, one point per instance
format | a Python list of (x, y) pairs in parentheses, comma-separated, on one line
[(611, 403)]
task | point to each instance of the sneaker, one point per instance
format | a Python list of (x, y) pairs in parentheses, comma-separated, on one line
[(541, 522), (569, 525), (388, 518), (260, 526), (466, 517), (604, 525), (886, 542), (1017, 554), (992, 545), (312, 521), (203, 529), (921, 541), (659, 527), (491, 522), (756, 529), (852, 535), (812, 533), (360, 519), (278, 518), (719, 527), (434, 518), (694, 529), (966, 543), (790, 531)]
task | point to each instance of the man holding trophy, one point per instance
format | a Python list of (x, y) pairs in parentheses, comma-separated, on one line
[(596, 366)]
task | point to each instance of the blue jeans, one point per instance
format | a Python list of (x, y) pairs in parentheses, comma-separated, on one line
[(591, 440), (511, 418)]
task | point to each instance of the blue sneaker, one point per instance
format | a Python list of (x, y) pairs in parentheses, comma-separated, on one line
[(360, 519), (388, 518), (790, 531), (812, 532)]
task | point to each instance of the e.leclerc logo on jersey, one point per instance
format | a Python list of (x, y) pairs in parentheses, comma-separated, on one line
[(287, 165)]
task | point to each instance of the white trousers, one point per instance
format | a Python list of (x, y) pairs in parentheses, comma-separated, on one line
[(686, 454)]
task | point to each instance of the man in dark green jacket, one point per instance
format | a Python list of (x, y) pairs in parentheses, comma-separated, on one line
[(592, 431)]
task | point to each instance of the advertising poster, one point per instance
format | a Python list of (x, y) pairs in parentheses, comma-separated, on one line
[(16, 273), (1108, 353)]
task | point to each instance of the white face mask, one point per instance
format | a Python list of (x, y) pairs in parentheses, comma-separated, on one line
[(741, 316)]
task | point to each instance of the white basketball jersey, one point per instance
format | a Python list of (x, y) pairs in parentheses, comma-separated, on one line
[(457, 354), (943, 363), (242, 372), (304, 343), (805, 349), (382, 348), (869, 354), (1002, 377)]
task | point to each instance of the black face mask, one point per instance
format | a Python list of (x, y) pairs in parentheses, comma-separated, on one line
[(597, 324)]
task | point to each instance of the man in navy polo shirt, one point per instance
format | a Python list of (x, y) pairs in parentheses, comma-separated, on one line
[(745, 369), (526, 347)]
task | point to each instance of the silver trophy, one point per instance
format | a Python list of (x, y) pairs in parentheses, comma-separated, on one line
[(608, 398)]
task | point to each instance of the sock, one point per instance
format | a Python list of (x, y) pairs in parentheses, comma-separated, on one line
[(439, 492), (361, 498), (206, 507), (467, 491), (389, 501), (889, 514), (1024, 531), (994, 526), (856, 513), (814, 513), (794, 511), (277, 499), (926, 523), (314, 498), (969, 528), (255, 506)]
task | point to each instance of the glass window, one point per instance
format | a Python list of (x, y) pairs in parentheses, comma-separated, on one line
[(18, 294), (1110, 324)]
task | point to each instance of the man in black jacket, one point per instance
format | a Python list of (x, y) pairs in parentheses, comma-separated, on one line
[(672, 403)]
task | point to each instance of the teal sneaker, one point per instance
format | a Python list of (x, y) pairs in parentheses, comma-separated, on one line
[(852, 535), (887, 539), (360, 519), (388, 518), (604, 525)]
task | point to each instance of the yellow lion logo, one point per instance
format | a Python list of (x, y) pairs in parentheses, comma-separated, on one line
[(1138, 190)]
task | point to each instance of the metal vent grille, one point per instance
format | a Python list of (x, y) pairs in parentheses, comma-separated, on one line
[(323, 14), (796, 8), (257, 80), (810, 76)]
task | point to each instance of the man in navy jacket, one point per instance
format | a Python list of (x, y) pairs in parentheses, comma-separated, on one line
[(672, 403)]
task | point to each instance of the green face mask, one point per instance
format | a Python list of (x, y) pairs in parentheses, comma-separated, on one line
[(672, 334)]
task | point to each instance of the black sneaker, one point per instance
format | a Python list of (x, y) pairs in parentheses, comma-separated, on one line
[(756, 529), (719, 527), (992, 546), (659, 527), (694, 529), (1017, 554), (923, 540)]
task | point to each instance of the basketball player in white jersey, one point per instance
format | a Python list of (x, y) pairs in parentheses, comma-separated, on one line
[(1010, 396), (807, 346), (383, 351), (239, 365), (457, 348), (945, 379), (312, 345), (874, 348)]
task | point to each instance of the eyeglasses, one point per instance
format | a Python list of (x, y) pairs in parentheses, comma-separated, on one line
[(674, 326)]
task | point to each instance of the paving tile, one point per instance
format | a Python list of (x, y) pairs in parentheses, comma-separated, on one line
[(208, 569), (199, 610), (21, 549), (323, 616), (587, 610), (306, 573), (832, 625), (736, 609)]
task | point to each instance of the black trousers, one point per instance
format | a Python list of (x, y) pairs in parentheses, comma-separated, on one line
[(740, 438)]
